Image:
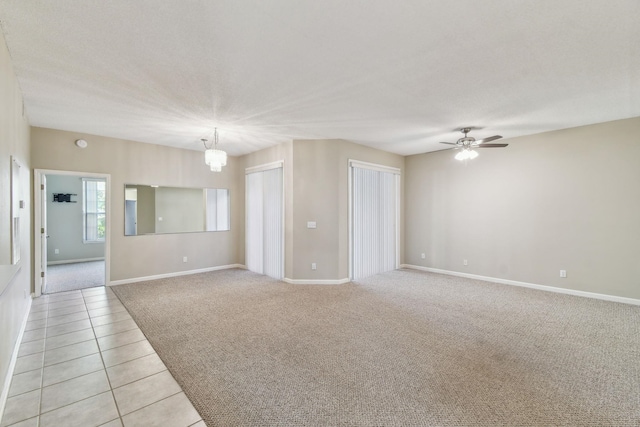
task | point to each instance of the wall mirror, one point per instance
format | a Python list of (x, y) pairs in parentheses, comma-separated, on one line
[(151, 209)]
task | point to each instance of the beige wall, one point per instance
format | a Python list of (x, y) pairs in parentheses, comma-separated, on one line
[(559, 200), (14, 141), (320, 193), (316, 189), (316, 197), (137, 163)]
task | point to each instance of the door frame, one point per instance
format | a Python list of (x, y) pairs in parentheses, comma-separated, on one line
[(39, 216), (380, 168), (279, 164)]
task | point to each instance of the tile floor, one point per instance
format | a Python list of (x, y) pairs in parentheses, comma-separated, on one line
[(83, 361)]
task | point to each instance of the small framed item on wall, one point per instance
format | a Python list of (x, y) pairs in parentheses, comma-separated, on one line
[(16, 204)]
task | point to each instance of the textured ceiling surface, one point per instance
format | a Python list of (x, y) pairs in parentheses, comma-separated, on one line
[(396, 75)]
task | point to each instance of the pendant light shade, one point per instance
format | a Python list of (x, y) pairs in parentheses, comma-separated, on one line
[(213, 157)]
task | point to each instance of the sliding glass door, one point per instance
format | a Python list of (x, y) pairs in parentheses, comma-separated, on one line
[(264, 220), (374, 203)]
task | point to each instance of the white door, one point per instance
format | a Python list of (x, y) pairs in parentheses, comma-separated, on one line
[(43, 233), (264, 222), (374, 219)]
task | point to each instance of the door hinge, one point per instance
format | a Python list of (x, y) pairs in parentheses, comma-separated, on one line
[(42, 186), (42, 231), (42, 274)]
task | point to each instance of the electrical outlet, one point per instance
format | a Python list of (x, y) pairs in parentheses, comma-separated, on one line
[(56, 251), (465, 262), (423, 256), (313, 266), (184, 259), (563, 273)]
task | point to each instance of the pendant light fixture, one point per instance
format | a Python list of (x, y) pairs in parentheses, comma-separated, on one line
[(213, 157)]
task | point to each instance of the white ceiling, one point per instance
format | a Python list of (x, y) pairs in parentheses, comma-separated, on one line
[(396, 75)]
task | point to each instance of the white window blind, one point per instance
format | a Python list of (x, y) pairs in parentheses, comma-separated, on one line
[(94, 205), (374, 222), (217, 209), (264, 222)]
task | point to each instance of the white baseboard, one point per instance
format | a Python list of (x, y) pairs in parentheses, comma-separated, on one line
[(176, 274), (585, 294), (315, 282), (12, 364), (74, 261)]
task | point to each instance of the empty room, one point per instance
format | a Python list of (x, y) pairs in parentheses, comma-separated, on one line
[(295, 213)]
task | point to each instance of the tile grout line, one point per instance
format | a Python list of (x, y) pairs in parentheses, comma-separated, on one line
[(46, 336), (104, 366), (158, 401), (43, 366), (44, 352)]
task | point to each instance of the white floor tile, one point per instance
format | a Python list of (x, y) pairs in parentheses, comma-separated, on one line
[(68, 327), (173, 411), (73, 368), (69, 352), (146, 391), (93, 411), (115, 328), (118, 340), (68, 339), (21, 407), (60, 376), (74, 390), (110, 318), (25, 382), (134, 370), (67, 318), (31, 347), (28, 363), (126, 353)]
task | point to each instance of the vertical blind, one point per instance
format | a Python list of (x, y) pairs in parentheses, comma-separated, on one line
[(374, 221), (264, 222), (94, 205)]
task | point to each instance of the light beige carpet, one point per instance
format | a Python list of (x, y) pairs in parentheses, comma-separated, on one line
[(403, 348), (77, 275)]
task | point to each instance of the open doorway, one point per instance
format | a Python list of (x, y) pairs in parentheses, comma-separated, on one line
[(72, 221)]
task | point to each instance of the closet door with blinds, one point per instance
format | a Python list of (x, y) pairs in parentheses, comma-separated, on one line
[(264, 222), (374, 219)]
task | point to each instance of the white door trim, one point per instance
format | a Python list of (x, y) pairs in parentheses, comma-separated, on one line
[(37, 220), (380, 168), (279, 164)]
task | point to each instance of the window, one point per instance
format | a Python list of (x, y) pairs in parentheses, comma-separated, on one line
[(93, 209)]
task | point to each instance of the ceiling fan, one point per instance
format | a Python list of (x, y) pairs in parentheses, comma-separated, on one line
[(468, 143)]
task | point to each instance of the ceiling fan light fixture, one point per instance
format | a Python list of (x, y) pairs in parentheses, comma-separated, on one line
[(466, 154), (466, 144)]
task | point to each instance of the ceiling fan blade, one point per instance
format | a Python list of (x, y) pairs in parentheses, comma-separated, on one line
[(448, 143), (491, 145), (491, 138)]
